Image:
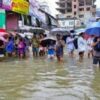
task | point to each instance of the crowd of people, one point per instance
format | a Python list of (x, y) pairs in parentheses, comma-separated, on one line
[(17, 46), (90, 46)]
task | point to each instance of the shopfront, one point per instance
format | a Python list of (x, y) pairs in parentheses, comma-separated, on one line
[(19, 11), (12, 20), (22, 7)]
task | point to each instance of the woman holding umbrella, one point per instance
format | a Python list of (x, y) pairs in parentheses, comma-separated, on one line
[(94, 29)]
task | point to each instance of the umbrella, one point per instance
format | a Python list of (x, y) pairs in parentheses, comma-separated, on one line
[(47, 41), (21, 35), (13, 33), (3, 33), (61, 31), (37, 30), (94, 29), (3, 39), (78, 31)]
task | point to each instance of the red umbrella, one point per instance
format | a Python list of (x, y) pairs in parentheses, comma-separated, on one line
[(3, 32)]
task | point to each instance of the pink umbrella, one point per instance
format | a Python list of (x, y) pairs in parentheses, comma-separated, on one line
[(13, 33), (3, 39), (3, 33)]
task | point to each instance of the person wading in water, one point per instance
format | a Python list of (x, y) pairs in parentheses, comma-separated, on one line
[(59, 48)]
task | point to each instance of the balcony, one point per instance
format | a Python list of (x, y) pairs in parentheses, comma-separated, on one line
[(59, 3), (61, 10)]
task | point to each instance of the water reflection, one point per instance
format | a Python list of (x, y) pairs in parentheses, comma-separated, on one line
[(40, 79)]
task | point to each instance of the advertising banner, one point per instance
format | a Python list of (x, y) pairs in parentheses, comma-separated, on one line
[(34, 11), (6, 4), (20, 6), (2, 19)]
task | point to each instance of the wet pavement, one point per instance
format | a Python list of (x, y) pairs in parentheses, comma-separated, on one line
[(42, 79)]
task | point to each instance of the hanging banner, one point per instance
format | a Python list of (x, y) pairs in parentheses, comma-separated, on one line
[(34, 11), (2, 19), (34, 3), (6, 4), (20, 6)]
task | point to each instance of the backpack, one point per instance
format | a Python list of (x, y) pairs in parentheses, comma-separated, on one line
[(76, 43), (97, 47)]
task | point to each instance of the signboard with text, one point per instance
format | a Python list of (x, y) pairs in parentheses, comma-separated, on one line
[(6, 4), (20, 6), (2, 19)]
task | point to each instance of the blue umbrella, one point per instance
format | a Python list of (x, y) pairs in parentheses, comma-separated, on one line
[(94, 29)]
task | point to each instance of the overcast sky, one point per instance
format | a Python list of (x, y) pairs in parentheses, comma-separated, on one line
[(53, 5)]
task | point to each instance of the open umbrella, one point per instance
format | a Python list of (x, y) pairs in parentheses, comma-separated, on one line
[(3, 39), (13, 33), (47, 41), (61, 31), (94, 29), (4, 33), (21, 35)]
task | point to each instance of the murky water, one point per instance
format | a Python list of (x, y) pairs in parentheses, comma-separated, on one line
[(41, 79)]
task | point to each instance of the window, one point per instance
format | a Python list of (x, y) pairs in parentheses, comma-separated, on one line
[(88, 9), (27, 20), (74, 13), (74, 6), (74, 0), (68, 16), (81, 2), (69, 10), (81, 16), (81, 9)]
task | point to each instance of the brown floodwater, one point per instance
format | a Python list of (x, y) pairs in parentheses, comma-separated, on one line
[(42, 79)]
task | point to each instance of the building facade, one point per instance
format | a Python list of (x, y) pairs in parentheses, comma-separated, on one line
[(15, 18), (44, 6), (80, 9)]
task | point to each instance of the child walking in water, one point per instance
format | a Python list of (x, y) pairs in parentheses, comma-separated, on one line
[(51, 50)]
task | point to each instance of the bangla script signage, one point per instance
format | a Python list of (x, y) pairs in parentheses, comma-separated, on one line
[(6, 4), (20, 6)]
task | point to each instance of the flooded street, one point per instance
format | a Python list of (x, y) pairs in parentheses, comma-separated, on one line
[(41, 79)]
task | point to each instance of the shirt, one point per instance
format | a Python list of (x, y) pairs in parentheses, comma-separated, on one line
[(89, 43), (70, 44), (81, 44)]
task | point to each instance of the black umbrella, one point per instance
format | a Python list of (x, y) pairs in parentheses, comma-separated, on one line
[(60, 31), (47, 41)]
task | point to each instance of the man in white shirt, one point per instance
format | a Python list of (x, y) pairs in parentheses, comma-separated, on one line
[(70, 45), (81, 46)]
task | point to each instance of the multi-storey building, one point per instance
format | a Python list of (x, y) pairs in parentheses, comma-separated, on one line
[(80, 9), (44, 6)]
